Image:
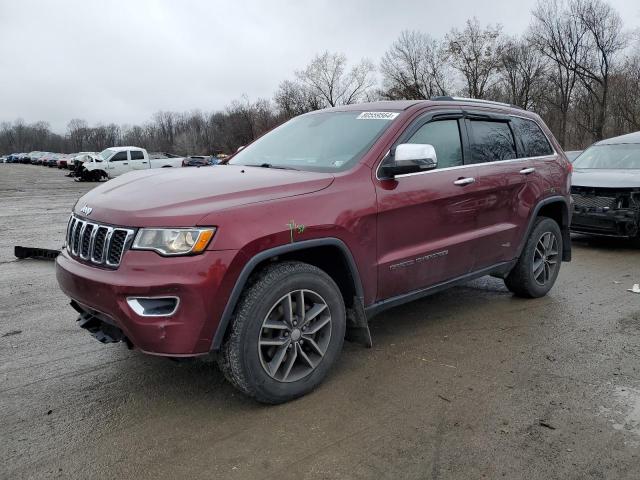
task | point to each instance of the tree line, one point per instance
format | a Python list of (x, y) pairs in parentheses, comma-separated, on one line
[(576, 66)]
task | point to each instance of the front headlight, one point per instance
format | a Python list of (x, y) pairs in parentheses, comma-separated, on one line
[(173, 241)]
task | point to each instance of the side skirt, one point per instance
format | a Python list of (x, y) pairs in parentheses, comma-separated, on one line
[(499, 270)]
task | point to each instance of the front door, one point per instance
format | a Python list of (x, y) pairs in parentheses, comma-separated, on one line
[(118, 164), (426, 220)]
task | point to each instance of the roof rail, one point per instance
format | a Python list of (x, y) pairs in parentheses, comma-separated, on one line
[(474, 100)]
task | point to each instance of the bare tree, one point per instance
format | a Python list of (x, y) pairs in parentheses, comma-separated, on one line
[(523, 74), (77, 131), (331, 84), (561, 37), (604, 39), (414, 67), (625, 89), (295, 98), (476, 53)]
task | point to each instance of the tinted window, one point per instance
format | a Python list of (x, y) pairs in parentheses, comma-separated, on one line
[(137, 155), (444, 135), (118, 157), (491, 141), (534, 141)]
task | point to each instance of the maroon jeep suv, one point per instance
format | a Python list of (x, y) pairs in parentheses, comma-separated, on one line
[(272, 260)]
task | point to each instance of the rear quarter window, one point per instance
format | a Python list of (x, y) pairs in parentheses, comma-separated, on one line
[(533, 139)]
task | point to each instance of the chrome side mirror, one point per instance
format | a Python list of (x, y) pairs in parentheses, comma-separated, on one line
[(410, 158)]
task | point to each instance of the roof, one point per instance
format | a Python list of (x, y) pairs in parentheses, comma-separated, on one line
[(121, 149), (399, 105), (628, 138), (374, 106)]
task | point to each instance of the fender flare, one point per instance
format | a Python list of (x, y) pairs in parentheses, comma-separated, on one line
[(250, 266), (564, 228)]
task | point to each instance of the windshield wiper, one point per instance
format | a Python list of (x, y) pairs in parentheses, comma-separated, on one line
[(271, 165)]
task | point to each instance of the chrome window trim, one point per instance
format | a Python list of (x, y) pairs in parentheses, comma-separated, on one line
[(540, 157), (458, 167)]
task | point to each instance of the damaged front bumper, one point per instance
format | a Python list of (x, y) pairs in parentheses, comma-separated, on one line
[(606, 212)]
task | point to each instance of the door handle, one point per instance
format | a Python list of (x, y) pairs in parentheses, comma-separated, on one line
[(144, 162), (461, 182), (527, 171), (125, 163)]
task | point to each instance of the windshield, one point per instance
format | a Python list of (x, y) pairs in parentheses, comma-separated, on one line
[(327, 142), (623, 155), (105, 154)]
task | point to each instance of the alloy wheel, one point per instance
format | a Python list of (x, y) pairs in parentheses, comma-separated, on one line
[(545, 258), (295, 335)]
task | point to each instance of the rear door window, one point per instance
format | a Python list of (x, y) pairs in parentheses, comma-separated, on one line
[(137, 155), (533, 139), (491, 141), (444, 135)]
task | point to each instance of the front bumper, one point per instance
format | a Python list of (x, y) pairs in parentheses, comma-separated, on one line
[(614, 223), (201, 282)]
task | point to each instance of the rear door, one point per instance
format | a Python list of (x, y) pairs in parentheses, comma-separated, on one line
[(137, 160), (508, 196), (426, 220)]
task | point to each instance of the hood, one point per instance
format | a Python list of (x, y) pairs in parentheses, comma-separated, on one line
[(178, 197), (604, 178)]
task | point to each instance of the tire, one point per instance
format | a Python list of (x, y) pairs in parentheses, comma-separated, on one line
[(250, 358), (532, 281)]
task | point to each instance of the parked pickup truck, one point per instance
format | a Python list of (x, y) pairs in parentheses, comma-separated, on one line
[(115, 161), (273, 259)]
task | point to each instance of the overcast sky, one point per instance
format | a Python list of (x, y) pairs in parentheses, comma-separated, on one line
[(121, 61)]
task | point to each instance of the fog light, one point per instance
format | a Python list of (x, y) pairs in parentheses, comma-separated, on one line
[(154, 306)]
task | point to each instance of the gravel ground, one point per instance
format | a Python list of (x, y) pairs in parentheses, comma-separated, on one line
[(469, 383)]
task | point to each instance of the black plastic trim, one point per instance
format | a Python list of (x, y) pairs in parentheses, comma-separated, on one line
[(566, 237), (378, 307), (248, 269)]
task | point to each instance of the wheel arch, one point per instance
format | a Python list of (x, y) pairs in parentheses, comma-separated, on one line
[(556, 208), (319, 252)]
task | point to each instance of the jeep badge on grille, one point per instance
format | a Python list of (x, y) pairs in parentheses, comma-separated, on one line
[(86, 210)]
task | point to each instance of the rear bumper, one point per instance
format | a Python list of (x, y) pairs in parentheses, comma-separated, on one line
[(622, 223), (202, 283)]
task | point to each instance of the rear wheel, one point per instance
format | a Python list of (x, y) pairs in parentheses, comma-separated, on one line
[(539, 264), (287, 333)]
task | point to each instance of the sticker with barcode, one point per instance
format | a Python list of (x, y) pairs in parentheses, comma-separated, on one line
[(377, 116)]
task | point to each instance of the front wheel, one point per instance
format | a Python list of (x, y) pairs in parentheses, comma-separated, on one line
[(287, 333), (539, 264)]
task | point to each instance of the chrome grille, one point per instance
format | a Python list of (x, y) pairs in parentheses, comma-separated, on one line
[(96, 243)]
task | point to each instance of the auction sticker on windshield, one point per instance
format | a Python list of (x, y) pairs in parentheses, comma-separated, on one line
[(377, 116)]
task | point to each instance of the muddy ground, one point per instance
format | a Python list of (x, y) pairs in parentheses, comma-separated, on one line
[(470, 383)]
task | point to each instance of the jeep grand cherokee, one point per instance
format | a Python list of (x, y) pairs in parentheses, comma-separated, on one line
[(272, 260)]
